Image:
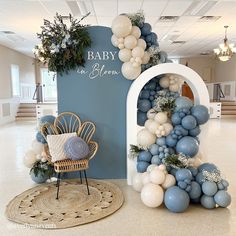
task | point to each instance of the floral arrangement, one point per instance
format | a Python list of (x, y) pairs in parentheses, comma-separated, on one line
[(62, 46), (43, 168)]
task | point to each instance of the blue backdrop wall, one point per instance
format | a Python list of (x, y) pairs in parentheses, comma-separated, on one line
[(98, 92)]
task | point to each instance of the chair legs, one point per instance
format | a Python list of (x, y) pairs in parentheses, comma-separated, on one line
[(58, 184), (80, 174), (86, 181)]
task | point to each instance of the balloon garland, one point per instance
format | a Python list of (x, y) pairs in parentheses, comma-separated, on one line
[(168, 170), (139, 49)]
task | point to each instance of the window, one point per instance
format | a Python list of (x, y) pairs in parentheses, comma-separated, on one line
[(15, 80)]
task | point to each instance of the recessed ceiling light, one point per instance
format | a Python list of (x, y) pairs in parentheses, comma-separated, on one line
[(209, 18), (178, 42), (168, 18), (7, 32)]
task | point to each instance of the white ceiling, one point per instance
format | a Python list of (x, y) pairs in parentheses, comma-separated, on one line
[(24, 17)]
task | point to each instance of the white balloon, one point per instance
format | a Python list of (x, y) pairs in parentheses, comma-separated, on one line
[(130, 42), (161, 117), (151, 167), (121, 26), (136, 32), (121, 40), (138, 59), (30, 158), (141, 43), (168, 128), (169, 181), (152, 195), (132, 59), (157, 176), (124, 54), (37, 147), (145, 138), (151, 125), (121, 46), (130, 72), (137, 52), (137, 182), (145, 178), (151, 114), (114, 41), (135, 64), (164, 82), (174, 87), (145, 58), (162, 167)]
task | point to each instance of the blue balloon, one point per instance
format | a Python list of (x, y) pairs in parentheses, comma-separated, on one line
[(210, 167), (195, 132), (152, 92), (195, 191), (156, 160), (220, 186), (200, 178), (182, 131), (47, 119), (193, 170), (225, 183), (144, 156), (208, 202), (148, 38), (144, 94), (170, 141), (144, 105), (173, 171), (146, 29), (150, 85), (141, 118), (183, 174), (151, 98), (154, 149), (161, 141), (222, 198), (201, 114), (188, 146), (142, 166), (40, 138), (176, 199), (189, 122), (209, 188), (183, 102), (181, 184), (175, 119)]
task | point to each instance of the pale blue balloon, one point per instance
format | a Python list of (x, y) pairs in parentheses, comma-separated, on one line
[(176, 199), (144, 105), (200, 178), (175, 119), (144, 156), (150, 85), (154, 149), (208, 202), (141, 118), (183, 174), (182, 184), (156, 160), (188, 146), (144, 94), (201, 114), (40, 138), (183, 102), (142, 166), (161, 141), (195, 132), (210, 167), (193, 170), (189, 122), (222, 198), (195, 191), (170, 141), (209, 188)]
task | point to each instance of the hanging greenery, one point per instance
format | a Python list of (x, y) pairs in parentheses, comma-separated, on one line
[(62, 45)]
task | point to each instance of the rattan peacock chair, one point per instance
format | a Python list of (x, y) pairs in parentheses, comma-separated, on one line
[(68, 122)]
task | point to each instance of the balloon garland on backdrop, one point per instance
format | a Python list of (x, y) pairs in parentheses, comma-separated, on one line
[(168, 169), (139, 49)]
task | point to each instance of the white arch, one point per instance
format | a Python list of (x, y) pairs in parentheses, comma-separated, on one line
[(195, 82)]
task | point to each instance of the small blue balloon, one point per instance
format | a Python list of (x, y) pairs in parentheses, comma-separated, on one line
[(40, 138), (151, 85), (222, 198), (151, 98), (182, 184), (173, 171), (176, 119), (171, 141), (146, 29), (161, 141), (145, 156), (154, 149), (183, 174), (148, 38), (225, 183), (161, 155), (200, 178), (183, 131), (141, 118), (193, 170), (189, 122), (144, 94), (220, 186), (201, 114), (152, 92), (142, 166), (188, 146), (183, 102), (208, 202), (195, 190), (209, 188), (176, 199), (195, 132), (144, 105), (156, 160)]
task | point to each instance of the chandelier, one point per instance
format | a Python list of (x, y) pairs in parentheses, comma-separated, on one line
[(225, 50)]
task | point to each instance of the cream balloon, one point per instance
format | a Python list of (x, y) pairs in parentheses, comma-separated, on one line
[(137, 182), (121, 46), (145, 138), (138, 59), (136, 32), (130, 72), (29, 158), (161, 117), (174, 87), (121, 26), (151, 167), (164, 82), (151, 114), (124, 54), (130, 42), (145, 58), (137, 52), (141, 43), (157, 176), (145, 178), (152, 195), (121, 40), (169, 181), (114, 41), (162, 167), (151, 125), (168, 128), (37, 147)]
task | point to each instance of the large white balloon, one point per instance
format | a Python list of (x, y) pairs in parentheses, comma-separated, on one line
[(157, 176), (114, 41), (136, 32), (137, 182), (30, 158), (37, 147), (169, 181), (161, 117), (151, 114), (151, 125), (141, 43), (164, 82), (130, 72), (152, 195), (130, 42), (138, 52), (125, 54), (145, 138), (121, 26), (145, 58)]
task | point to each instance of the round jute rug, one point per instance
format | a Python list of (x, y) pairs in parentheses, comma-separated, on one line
[(37, 207)]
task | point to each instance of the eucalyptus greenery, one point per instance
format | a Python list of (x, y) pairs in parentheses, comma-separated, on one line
[(137, 19), (43, 168), (163, 103), (134, 151), (62, 45), (177, 161)]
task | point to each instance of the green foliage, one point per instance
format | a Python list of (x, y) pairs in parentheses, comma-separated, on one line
[(137, 19), (43, 168), (164, 104), (174, 161), (134, 150), (62, 47)]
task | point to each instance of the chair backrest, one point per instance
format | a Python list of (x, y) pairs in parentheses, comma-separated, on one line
[(67, 122), (47, 129), (87, 131)]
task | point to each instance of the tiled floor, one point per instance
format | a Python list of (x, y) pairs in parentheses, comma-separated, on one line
[(133, 218)]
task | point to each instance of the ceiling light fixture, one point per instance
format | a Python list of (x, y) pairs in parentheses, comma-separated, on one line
[(225, 50)]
